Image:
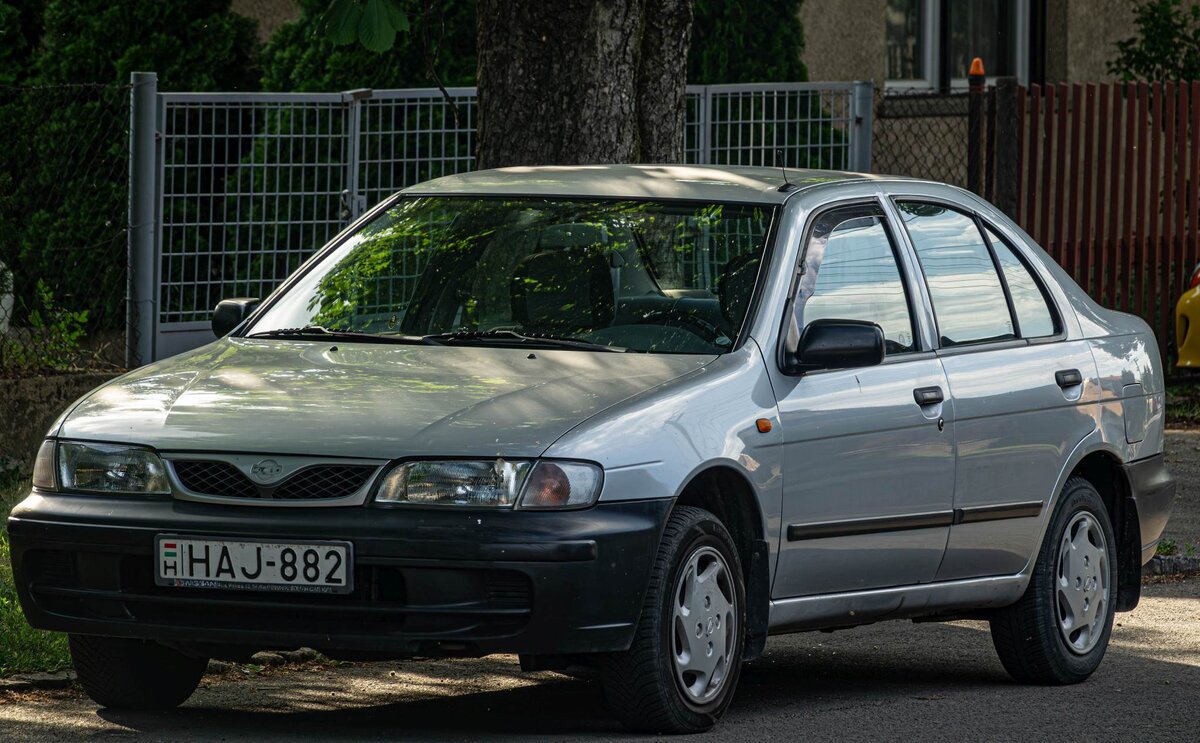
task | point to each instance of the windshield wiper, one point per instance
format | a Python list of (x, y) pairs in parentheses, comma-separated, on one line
[(316, 332), (533, 339)]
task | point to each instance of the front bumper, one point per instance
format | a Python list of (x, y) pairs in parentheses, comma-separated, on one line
[(1153, 491), (426, 582)]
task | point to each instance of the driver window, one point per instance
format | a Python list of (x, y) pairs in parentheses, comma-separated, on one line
[(850, 273)]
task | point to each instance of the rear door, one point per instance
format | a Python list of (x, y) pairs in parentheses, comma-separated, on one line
[(868, 470), (1018, 387)]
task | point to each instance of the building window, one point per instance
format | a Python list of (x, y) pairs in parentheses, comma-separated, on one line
[(995, 30)]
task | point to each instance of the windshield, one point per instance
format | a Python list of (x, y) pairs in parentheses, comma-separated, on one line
[(666, 277)]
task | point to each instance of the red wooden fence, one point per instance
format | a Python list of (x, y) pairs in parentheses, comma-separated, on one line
[(1108, 177)]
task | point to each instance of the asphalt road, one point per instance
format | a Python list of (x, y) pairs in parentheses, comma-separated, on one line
[(891, 681)]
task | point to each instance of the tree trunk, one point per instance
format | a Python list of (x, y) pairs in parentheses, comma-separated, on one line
[(662, 80), (567, 82)]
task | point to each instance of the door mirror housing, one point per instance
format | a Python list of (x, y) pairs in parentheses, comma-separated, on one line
[(230, 313), (835, 344)]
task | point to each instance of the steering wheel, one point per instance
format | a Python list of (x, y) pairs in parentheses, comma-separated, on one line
[(673, 317)]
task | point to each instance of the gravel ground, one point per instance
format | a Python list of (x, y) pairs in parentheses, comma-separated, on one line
[(891, 681)]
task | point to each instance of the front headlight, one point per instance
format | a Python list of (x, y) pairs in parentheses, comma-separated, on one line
[(110, 468), (497, 483)]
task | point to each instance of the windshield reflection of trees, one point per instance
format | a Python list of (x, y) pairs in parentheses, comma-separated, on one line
[(566, 267)]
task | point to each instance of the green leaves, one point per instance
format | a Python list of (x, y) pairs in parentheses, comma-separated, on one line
[(372, 23), (1167, 44)]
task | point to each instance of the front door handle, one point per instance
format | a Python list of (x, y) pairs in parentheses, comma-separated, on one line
[(928, 395), (1068, 378)]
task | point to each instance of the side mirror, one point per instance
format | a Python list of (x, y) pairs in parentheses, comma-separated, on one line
[(836, 344), (230, 313)]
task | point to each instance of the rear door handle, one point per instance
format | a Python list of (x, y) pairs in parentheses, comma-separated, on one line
[(928, 395), (1068, 378)]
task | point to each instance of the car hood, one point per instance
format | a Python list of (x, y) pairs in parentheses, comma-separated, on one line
[(365, 400)]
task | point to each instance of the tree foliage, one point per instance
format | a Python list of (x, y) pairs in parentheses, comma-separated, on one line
[(301, 56), (744, 42), (372, 23), (191, 44), (731, 42), (1166, 46), (20, 32)]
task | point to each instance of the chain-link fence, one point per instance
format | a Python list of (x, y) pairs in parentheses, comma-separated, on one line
[(921, 134), (64, 153)]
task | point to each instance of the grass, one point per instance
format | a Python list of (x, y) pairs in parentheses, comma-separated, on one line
[(1169, 547), (22, 648), (1183, 405)]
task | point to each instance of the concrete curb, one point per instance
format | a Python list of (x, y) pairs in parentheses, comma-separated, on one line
[(1172, 565)]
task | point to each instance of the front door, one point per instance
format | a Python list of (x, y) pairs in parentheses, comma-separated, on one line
[(868, 470)]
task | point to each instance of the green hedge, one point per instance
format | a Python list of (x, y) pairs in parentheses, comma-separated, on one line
[(64, 130)]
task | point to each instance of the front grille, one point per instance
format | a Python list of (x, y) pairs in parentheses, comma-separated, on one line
[(318, 482), (214, 478), (325, 481)]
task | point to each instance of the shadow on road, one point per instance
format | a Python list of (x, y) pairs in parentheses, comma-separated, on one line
[(889, 681)]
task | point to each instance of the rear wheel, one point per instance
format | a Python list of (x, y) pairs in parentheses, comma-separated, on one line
[(1059, 630), (681, 671), (134, 674)]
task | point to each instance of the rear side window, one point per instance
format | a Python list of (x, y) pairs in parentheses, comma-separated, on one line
[(1034, 318), (969, 303)]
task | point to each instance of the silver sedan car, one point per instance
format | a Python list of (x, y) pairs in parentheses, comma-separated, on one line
[(637, 418)]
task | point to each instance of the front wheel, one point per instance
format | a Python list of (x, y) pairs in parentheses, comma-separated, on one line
[(134, 674), (1058, 632), (681, 671)]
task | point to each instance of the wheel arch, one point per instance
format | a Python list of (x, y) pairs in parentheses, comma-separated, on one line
[(1102, 468), (725, 492)]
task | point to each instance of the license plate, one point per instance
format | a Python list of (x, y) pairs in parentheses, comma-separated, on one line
[(307, 567)]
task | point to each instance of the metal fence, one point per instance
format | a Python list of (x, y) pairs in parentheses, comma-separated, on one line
[(232, 192), (921, 134)]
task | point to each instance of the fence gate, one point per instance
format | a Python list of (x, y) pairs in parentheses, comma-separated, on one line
[(231, 192)]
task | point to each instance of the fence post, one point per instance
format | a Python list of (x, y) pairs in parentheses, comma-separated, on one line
[(862, 111), (704, 135), (975, 94), (141, 314), (355, 202), (1008, 167)]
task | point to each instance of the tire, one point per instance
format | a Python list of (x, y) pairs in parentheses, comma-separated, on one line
[(134, 674), (1035, 640), (644, 687)]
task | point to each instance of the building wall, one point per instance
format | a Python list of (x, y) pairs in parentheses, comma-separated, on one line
[(844, 39), (1082, 36)]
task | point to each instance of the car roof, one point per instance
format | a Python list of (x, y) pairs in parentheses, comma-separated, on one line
[(727, 183)]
